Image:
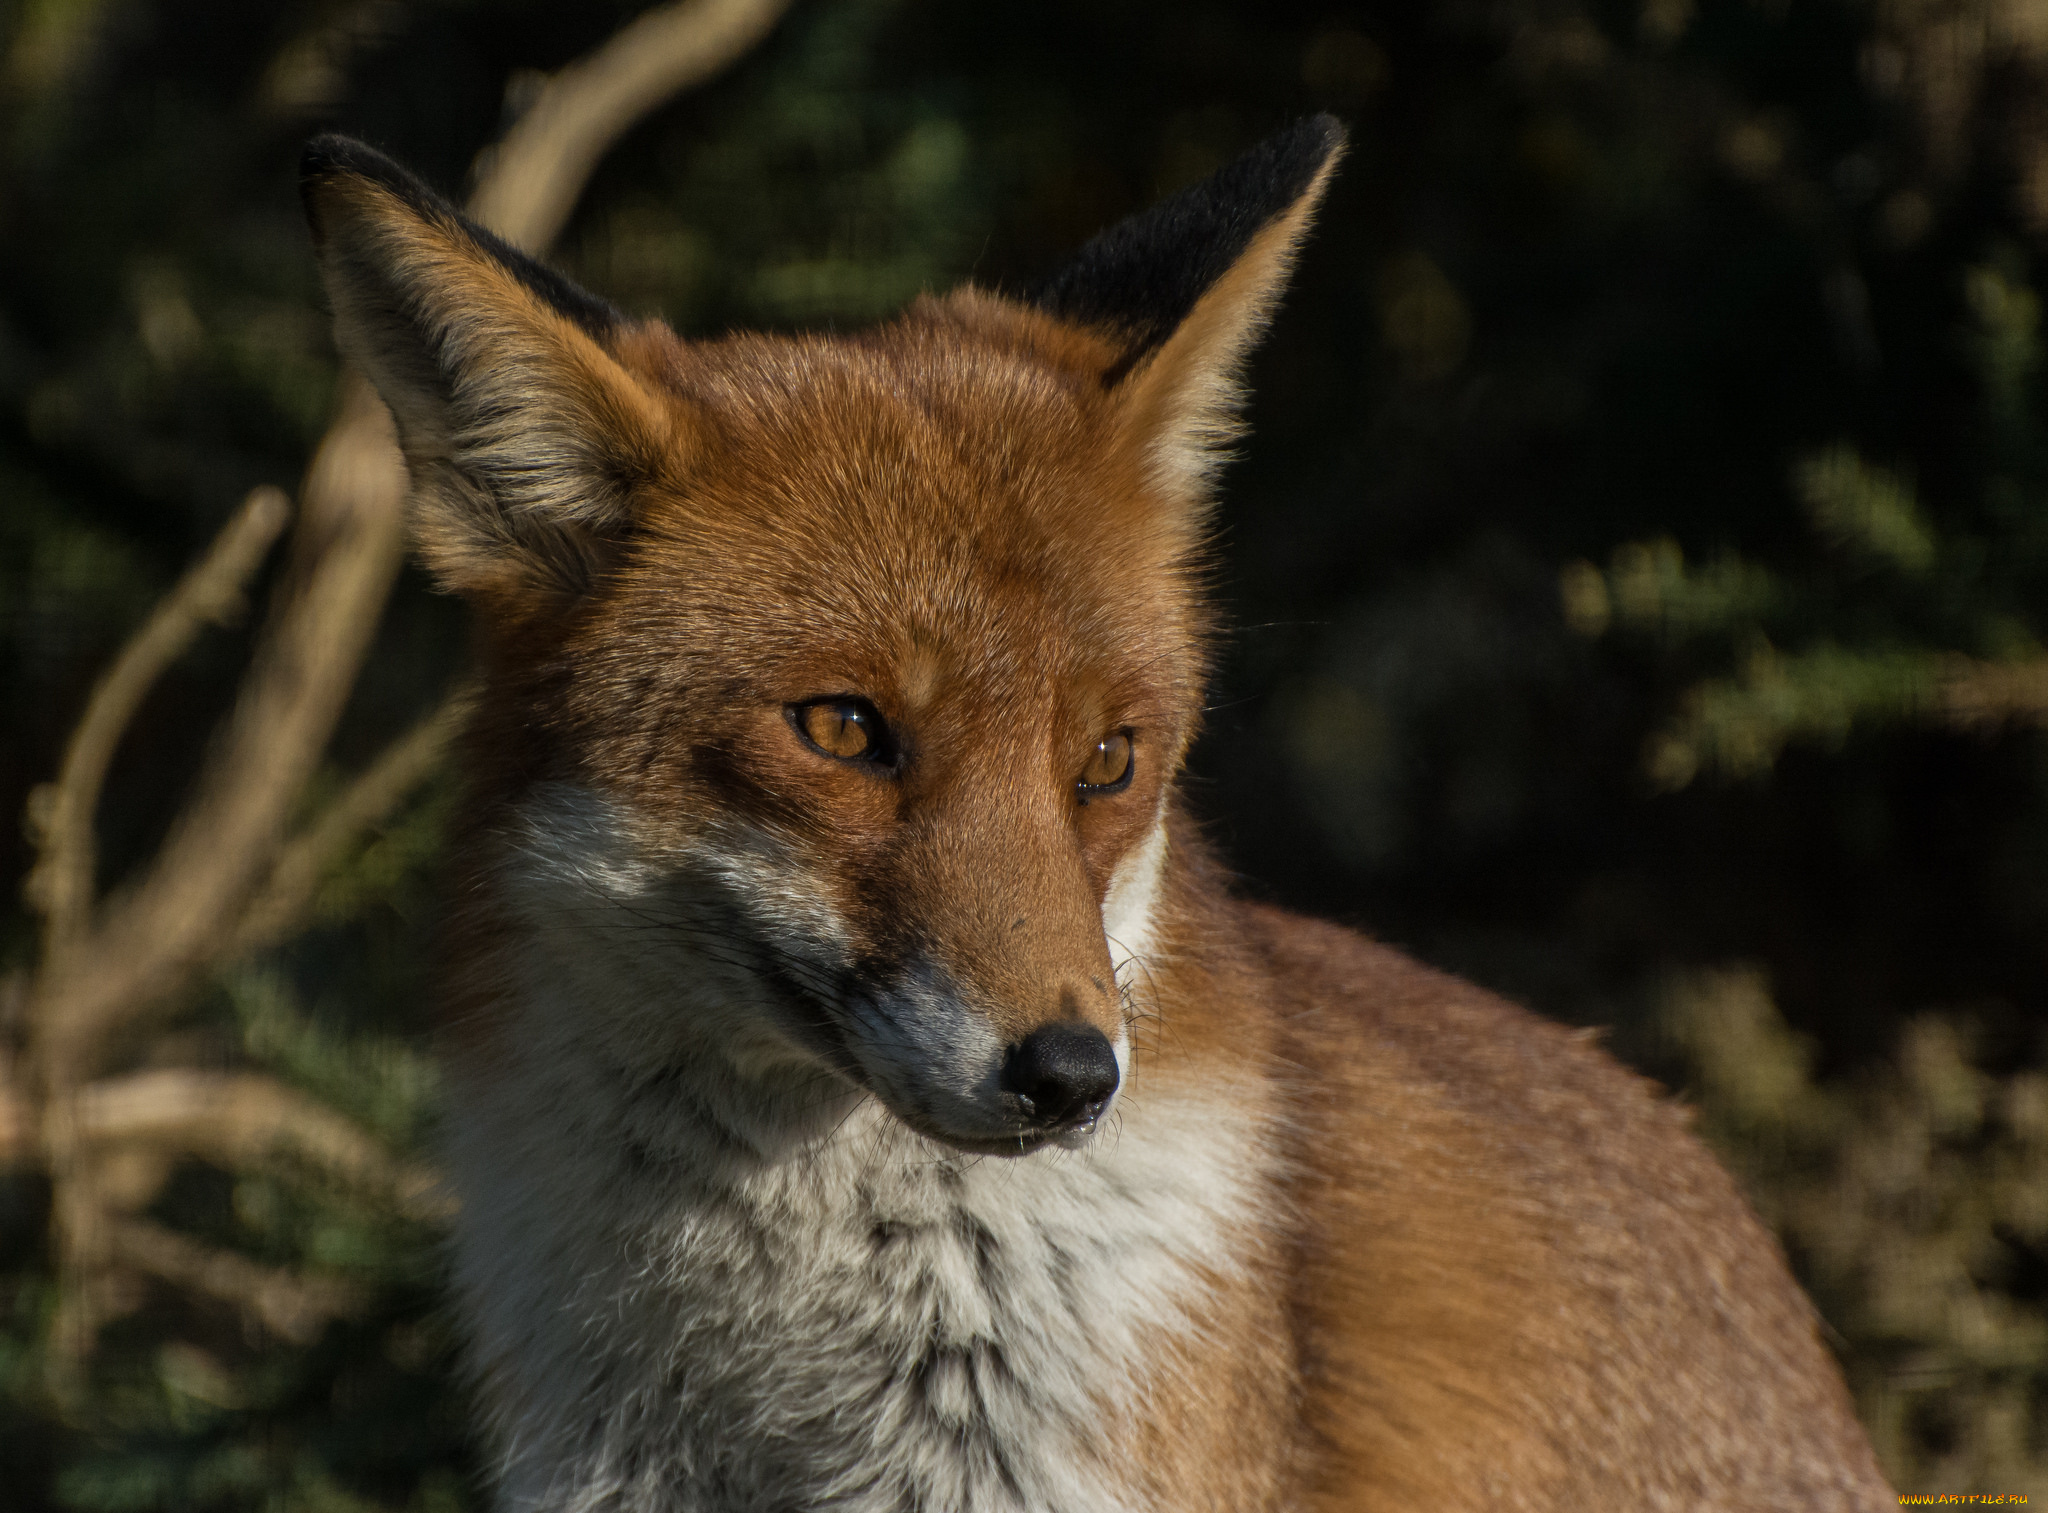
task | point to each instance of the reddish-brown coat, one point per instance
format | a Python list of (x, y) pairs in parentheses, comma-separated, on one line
[(1510, 1272), (1490, 1269)]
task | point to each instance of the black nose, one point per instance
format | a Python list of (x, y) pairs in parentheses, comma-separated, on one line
[(1061, 1073)]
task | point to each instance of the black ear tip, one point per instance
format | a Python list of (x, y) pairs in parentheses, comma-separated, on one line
[(320, 160), (322, 153), (1141, 277), (331, 159), (332, 156), (1325, 131), (1289, 160), (331, 153)]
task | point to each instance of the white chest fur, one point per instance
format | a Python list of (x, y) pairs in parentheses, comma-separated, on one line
[(871, 1322), (701, 1274)]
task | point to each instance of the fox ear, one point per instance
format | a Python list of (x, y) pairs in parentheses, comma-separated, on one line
[(1181, 291), (524, 437)]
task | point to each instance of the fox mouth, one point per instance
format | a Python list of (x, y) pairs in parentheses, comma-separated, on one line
[(1011, 1138), (1021, 1139), (821, 1009), (825, 1031), (1025, 1142)]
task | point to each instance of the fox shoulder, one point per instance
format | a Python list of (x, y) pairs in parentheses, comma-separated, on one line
[(1496, 1216)]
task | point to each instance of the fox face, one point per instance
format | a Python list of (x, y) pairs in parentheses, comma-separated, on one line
[(886, 684), (835, 686)]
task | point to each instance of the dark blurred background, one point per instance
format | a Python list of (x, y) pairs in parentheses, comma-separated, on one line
[(1636, 581)]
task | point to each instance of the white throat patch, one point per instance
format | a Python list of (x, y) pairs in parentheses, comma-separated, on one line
[(1133, 894)]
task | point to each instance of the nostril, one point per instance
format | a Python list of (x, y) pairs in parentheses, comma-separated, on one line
[(1061, 1073)]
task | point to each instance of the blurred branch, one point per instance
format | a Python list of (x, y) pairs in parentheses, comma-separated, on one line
[(17, 1116), (228, 879), (1988, 693), (244, 1118), (281, 908), (185, 913), (532, 178), (291, 1305), (210, 592), (233, 1119), (159, 938)]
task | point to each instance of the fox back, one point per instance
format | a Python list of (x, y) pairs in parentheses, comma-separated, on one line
[(864, 1090)]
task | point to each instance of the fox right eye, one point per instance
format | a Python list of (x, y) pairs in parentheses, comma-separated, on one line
[(850, 730)]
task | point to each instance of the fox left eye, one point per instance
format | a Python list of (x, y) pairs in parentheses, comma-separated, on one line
[(1109, 767), (849, 729)]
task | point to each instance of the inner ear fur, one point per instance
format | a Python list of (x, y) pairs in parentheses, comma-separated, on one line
[(1183, 290), (525, 438)]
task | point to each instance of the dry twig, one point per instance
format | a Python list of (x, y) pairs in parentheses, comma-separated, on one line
[(163, 935), (280, 909), (237, 1119), (533, 177), (61, 886), (233, 1119), (1987, 693), (289, 1304), (227, 880)]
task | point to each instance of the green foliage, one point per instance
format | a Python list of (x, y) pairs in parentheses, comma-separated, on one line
[(1739, 725), (187, 1405), (1916, 1196), (1883, 617), (383, 1081), (895, 201), (1862, 510)]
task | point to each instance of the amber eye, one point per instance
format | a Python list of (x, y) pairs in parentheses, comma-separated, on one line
[(1109, 767), (848, 729)]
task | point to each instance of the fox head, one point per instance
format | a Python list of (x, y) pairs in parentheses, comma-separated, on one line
[(836, 685)]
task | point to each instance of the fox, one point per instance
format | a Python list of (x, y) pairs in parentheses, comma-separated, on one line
[(866, 1088)]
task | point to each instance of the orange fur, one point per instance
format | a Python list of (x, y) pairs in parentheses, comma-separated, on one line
[(1409, 1247)]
